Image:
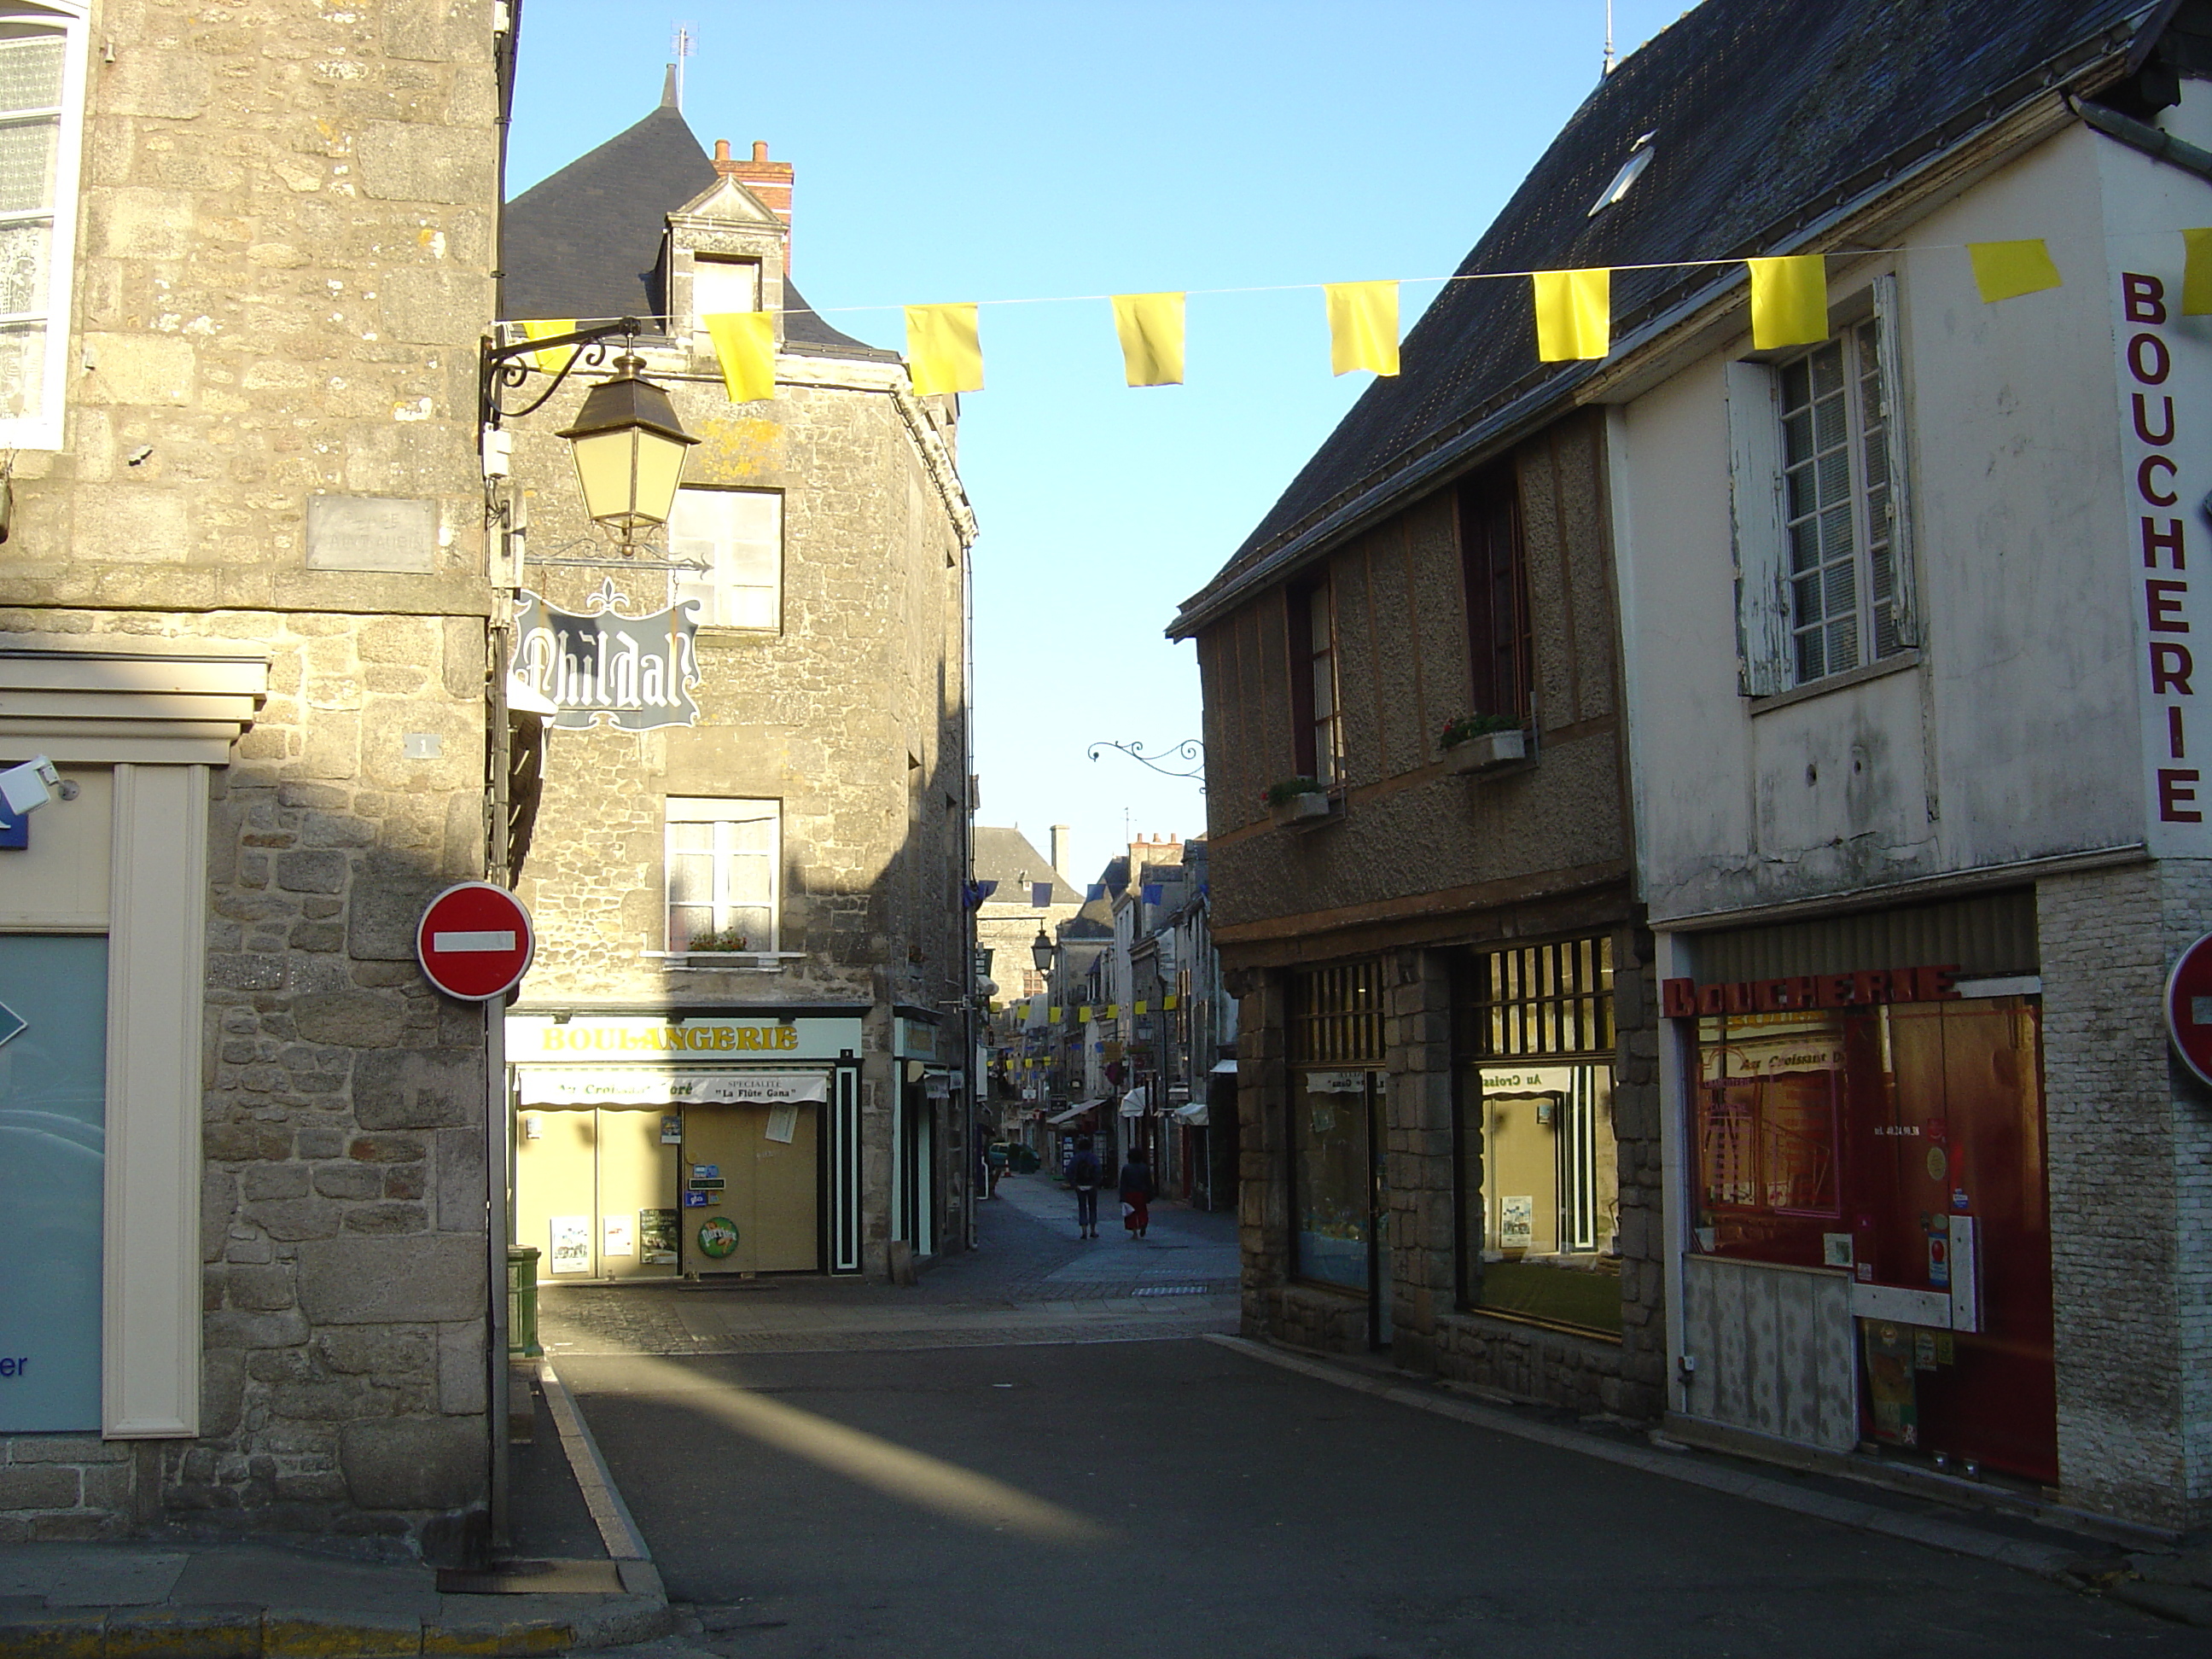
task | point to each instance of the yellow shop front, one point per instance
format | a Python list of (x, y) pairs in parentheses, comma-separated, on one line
[(682, 1146)]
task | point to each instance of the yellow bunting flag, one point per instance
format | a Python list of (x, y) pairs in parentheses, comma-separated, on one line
[(553, 361), (744, 345), (1169, 1001), (2197, 274), (2004, 270), (1055, 1013), (1151, 327), (1083, 1015), (1363, 326), (943, 352), (1574, 314), (1143, 1007), (1789, 301)]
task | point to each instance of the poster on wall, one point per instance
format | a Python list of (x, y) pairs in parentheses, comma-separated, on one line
[(1517, 1222), (616, 1237), (656, 1237), (782, 1123), (571, 1244)]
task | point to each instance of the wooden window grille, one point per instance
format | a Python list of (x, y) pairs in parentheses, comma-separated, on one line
[(1336, 1015), (1494, 567), (1539, 1001)]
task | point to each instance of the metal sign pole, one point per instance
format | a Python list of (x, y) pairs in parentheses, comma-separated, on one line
[(497, 1407)]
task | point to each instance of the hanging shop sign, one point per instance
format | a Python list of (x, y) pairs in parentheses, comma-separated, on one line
[(1686, 998), (2189, 1007), (551, 1085), (637, 671)]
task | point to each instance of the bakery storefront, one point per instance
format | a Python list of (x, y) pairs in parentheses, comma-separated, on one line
[(682, 1146), (1868, 1257)]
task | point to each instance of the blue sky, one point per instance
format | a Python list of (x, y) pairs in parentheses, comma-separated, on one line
[(951, 149)]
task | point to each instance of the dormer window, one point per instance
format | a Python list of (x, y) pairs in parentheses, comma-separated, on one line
[(1639, 157)]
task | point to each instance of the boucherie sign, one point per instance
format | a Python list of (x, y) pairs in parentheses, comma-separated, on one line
[(1686, 998)]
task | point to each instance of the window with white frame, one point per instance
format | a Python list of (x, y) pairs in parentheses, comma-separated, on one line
[(738, 536), (41, 110), (721, 285), (1823, 566), (724, 858), (1835, 459)]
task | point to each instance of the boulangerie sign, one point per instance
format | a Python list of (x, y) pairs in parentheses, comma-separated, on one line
[(638, 672)]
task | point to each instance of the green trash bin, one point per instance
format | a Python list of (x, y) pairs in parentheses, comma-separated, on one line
[(522, 1303)]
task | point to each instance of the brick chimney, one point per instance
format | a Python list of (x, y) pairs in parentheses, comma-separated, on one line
[(769, 181)]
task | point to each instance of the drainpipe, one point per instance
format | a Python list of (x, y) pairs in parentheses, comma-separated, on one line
[(2153, 142)]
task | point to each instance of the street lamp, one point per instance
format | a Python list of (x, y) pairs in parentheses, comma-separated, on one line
[(629, 448), (1041, 950)]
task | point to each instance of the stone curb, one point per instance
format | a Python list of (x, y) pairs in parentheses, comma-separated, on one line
[(2049, 1561), (219, 1632)]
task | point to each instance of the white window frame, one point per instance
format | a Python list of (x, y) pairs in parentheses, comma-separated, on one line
[(714, 587), (1765, 632), (42, 428), (722, 811)]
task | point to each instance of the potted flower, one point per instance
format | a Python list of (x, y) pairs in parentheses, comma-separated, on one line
[(1297, 800), (1479, 742), (723, 941)]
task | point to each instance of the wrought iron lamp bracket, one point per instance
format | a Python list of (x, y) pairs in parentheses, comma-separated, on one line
[(1190, 749)]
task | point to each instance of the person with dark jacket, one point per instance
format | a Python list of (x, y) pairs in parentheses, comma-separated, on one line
[(1137, 1191), (1084, 1174)]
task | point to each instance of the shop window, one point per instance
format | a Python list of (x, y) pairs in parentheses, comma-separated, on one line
[(738, 536), (1317, 731), (1494, 567), (1336, 1049), (1768, 1100), (724, 858), (41, 74), (1540, 1183)]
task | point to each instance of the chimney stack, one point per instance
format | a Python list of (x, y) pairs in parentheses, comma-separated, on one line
[(1060, 834)]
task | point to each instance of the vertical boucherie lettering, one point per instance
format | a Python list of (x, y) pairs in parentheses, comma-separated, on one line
[(2155, 416)]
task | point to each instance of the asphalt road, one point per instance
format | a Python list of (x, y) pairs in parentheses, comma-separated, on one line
[(1174, 1498)]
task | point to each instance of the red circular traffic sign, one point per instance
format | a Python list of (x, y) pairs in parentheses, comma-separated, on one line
[(2188, 1006), (475, 941)]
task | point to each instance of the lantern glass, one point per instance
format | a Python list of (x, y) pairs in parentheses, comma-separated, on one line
[(628, 476), (1041, 952)]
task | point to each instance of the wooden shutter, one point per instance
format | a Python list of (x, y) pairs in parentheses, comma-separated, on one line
[(1764, 659), (1904, 610)]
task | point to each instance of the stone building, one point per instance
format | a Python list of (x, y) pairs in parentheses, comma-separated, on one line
[(1447, 1111), (745, 1045), (243, 607)]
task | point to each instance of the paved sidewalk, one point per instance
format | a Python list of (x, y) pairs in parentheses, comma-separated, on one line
[(1029, 1281)]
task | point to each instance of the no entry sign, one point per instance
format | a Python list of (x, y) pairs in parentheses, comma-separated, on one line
[(2188, 1006), (475, 941)]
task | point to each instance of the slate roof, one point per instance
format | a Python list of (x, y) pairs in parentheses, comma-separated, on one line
[(1010, 858), (586, 242), (1768, 116)]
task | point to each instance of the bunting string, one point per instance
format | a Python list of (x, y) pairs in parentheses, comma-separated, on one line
[(1572, 309)]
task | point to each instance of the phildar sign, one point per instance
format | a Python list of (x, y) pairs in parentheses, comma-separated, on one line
[(637, 671), (1685, 998), (2188, 1006)]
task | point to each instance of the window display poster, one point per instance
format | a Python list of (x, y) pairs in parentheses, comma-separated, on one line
[(1516, 1221), (656, 1237), (782, 1123), (571, 1244), (616, 1237)]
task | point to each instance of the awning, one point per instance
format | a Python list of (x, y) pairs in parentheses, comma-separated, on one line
[(581, 1085), (1061, 1120), (1224, 1066), (1136, 1102), (1193, 1113)]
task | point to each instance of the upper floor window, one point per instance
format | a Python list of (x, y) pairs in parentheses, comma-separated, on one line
[(1824, 576), (1494, 567), (737, 534), (1316, 730), (41, 80), (1835, 506), (723, 859), (720, 285)]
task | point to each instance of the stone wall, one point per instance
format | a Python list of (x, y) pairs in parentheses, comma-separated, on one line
[(285, 238), (2129, 1133)]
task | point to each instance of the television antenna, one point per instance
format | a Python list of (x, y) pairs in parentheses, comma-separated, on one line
[(686, 42)]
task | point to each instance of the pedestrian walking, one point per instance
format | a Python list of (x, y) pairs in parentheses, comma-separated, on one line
[(995, 1165), (1137, 1192), (1084, 1174)]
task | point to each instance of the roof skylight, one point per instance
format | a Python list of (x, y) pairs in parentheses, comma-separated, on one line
[(1639, 157)]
